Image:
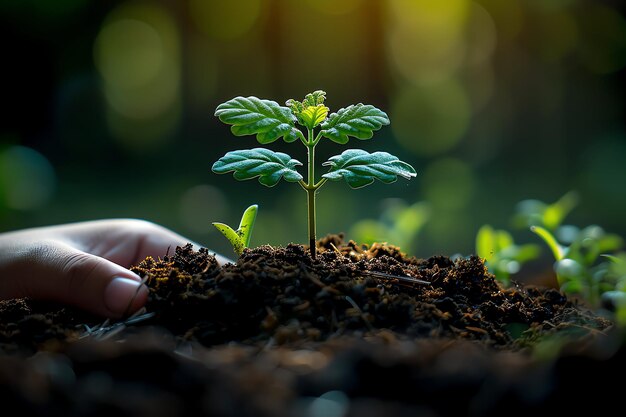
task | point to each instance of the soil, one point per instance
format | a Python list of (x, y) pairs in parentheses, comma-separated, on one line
[(358, 331)]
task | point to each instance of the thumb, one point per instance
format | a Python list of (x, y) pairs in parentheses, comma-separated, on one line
[(65, 274)]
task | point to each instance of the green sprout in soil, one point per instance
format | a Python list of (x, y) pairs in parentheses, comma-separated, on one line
[(586, 262), (584, 266), (549, 216), (589, 262), (502, 255), (240, 238), (270, 121)]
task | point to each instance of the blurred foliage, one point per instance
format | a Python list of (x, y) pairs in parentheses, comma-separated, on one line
[(502, 256), (108, 109), (588, 262), (399, 224)]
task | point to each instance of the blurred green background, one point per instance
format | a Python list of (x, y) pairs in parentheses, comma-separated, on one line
[(108, 110)]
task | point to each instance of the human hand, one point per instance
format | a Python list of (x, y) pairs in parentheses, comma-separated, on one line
[(83, 264)]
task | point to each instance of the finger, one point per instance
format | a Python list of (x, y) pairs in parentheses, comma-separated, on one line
[(58, 272), (134, 240)]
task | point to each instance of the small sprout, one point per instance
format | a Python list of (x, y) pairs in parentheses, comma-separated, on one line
[(557, 250), (270, 121), (549, 216), (240, 238), (502, 256), (583, 267)]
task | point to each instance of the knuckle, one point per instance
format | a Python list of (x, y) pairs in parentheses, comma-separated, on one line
[(77, 268)]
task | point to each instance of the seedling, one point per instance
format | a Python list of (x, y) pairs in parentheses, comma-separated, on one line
[(270, 121), (240, 238), (584, 266), (549, 216), (502, 256)]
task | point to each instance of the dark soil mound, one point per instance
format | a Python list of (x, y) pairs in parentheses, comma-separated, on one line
[(357, 331), (281, 295)]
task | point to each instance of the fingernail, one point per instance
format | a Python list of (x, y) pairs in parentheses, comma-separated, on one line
[(119, 293)]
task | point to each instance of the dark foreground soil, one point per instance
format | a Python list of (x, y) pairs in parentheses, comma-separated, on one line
[(359, 331)]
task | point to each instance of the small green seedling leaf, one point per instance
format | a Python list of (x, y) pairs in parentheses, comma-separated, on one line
[(313, 115), (358, 120), (311, 111), (360, 168), (486, 242), (550, 216), (557, 250), (266, 119), (235, 240), (240, 238), (502, 256), (268, 165), (555, 213), (247, 224)]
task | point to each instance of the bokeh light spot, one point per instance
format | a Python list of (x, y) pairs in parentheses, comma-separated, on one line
[(27, 178), (225, 19), (448, 184), (129, 53), (137, 53), (426, 37), (430, 119)]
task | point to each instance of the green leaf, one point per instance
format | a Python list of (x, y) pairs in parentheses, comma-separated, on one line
[(527, 252), (268, 165), (313, 115), (555, 213), (233, 237), (264, 118), (315, 98), (360, 168), (485, 242), (359, 121), (557, 250), (311, 111), (247, 224)]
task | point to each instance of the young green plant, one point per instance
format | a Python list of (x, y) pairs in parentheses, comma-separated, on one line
[(501, 254), (240, 238), (270, 121), (584, 266)]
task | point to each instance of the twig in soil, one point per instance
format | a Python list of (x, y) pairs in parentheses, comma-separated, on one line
[(336, 250), (106, 331), (401, 278), (357, 308)]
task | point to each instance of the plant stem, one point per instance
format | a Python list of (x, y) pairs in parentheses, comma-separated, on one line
[(311, 203), (310, 192)]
